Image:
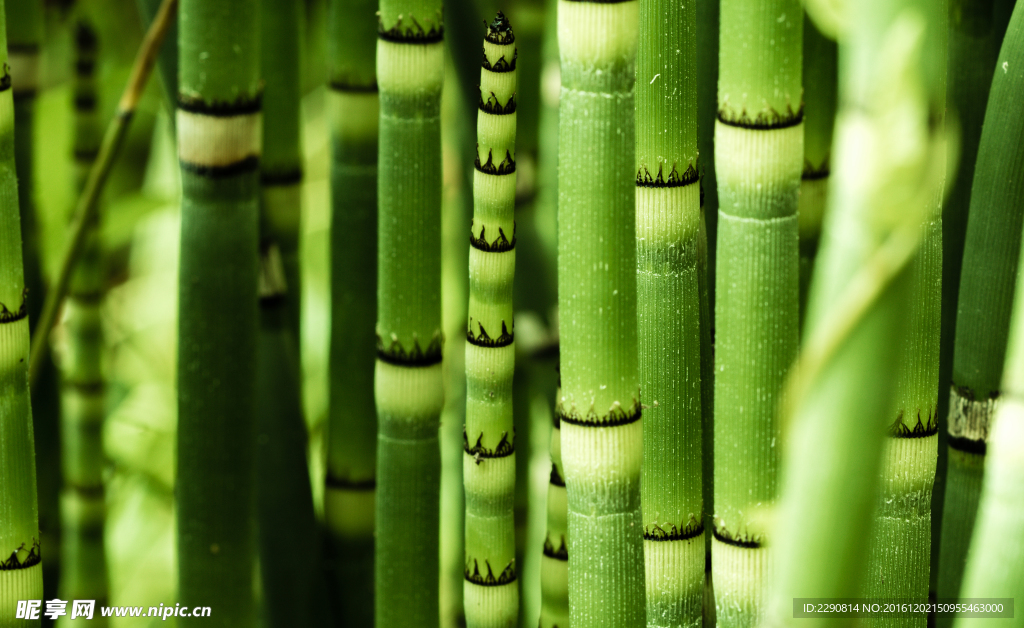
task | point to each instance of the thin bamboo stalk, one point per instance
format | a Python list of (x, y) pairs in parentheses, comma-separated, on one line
[(599, 407), (758, 160), (83, 504), (352, 430), (491, 589), (409, 379), (987, 280), (668, 228), (554, 569), (995, 563), (819, 79), (219, 145), (21, 575)]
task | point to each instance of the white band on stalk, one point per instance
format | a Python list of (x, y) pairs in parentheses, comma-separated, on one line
[(597, 33), (410, 67), (354, 115), (970, 418), (218, 141)]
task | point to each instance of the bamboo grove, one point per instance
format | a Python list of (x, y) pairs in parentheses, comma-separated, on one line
[(588, 313)]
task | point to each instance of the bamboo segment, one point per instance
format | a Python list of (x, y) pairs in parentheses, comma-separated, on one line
[(668, 230), (491, 588), (352, 431), (409, 383), (599, 406), (290, 576), (83, 562), (21, 576), (758, 160), (995, 561), (819, 79), (554, 574), (219, 145), (991, 246)]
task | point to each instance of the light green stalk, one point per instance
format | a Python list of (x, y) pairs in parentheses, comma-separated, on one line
[(899, 559), (218, 124), (554, 566), (599, 407), (352, 430), (758, 160), (820, 68), (491, 590), (290, 574), (409, 379), (668, 231), (844, 393), (21, 574), (991, 248), (995, 563), (83, 505)]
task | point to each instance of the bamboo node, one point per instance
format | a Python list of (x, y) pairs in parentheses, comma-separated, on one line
[(394, 353), (766, 120), (484, 340), (499, 31), (7, 316), (507, 576), (675, 180), (922, 429), (692, 529), (414, 34), (502, 65), (505, 447), (33, 558), (501, 244), (559, 553)]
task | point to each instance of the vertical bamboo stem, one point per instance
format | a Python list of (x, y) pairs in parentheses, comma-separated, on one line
[(219, 145)]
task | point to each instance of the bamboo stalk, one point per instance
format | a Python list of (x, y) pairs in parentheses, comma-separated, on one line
[(491, 590), (669, 312), (167, 58), (219, 145), (284, 498), (859, 298), (409, 379), (83, 505), (113, 140), (352, 431), (288, 535), (991, 246), (599, 407), (819, 79), (21, 575), (995, 563), (554, 569), (758, 160)]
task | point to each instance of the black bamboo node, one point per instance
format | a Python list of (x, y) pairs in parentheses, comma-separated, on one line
[(675, 180), (346, 484), (556, 477), (502, 64), (507, 165), (8, 316), (766, 120), (243, 105), (813, 173), (615, 417), (505, 447), (671, 532), (5, 80), (501, 244), (394, 353), (923, 428), (558, 553), (494, 107), (472, 574), (33, 558), (746, 541), (415, 34), (248, 165), (483, 339)]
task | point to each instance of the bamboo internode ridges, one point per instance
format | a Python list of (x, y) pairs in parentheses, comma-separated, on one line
[(21, 571), (491, 587), (599, 404), (668, 232), (409, 380), (219, 146), (350, 483)]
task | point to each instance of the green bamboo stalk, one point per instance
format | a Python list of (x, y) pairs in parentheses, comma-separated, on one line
[(668, 228), (995, 563), (554, 566), (599, 407), (167, 60), (758, 161), (218, 124), (976, 29), (21, 575), (288, 535), (820, 67), (859, 300), (284, 498), (491, 590), (352, 430), (281, 161), (409, 379), (991, 247), (83, 505)]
